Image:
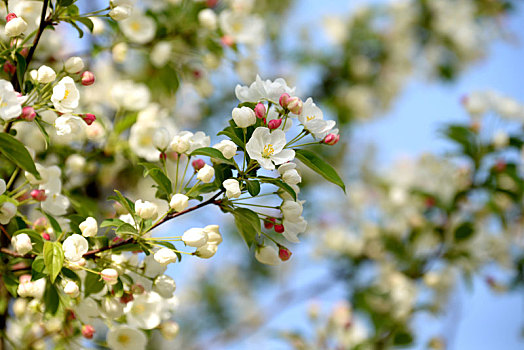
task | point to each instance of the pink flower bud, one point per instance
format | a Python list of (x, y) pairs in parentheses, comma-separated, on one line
[(38, 195), (279, 228), (198, 164), (227, 40), (284, 254), (211, 3), (88, 331), (274, 123), (10, 16), (46, 236), (89, 118), (40, 224), (331, 139), (162, 156), (126, 298), (269, 224), (24, 51), (28, 113), (24, 279), (88, 78), (260, 111), (9, 68), (283, 100), (294, 104), (110, 276)]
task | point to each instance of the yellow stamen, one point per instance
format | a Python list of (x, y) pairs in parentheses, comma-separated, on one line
[(66, 93), (135, 26), (123, 339), (268, 151), (310, 118)]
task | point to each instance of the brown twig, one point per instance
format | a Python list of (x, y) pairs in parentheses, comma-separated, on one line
[(15, 254)]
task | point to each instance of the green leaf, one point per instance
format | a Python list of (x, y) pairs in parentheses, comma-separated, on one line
[(213, 153), (71, 275), (92, 284), (51, 299), (78, 29), (464, 231), (248, 224), (21, 66), (320, 166), (172, 247), (111, 223), (253, 187), (16, 152), (74, 223), (65, 3), (222, 172), (38, 268), (87, 22), (38, 122), (157, 174), (54, 224), (53, 259), (126, 203), (11, 284), (281, 184), (230, 132), (126, 228)]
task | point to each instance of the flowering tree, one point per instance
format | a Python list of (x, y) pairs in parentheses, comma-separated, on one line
[(73, 253)]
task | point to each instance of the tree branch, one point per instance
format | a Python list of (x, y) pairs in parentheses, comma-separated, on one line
[(15, 254)]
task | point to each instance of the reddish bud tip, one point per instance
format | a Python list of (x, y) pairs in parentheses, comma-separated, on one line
[(38, 195), (88, 331), (283, 100), (46, 236), (430, 202), (9, 68), (126, 298), (198, 164), (89, 118), (28, 113), (211, 3), (137, 289), (24, 51), (117, 239), (279, 228), (260, 111), (331, 139), (10, 16), (227, 40), (274, 123), (500, 165), (162, 156), (284, 254), (88, 78), (268, 224)]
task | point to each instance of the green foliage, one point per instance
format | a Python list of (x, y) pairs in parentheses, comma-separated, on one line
[(16, 152), (248, 225), (317, 164), (53, 259)]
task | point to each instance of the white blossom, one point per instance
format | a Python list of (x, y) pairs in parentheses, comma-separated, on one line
[(195, 237), (125, 337), (112, 307), (206, 174), (267, 255), (179, 202), (165, 256), (7, 212), (71, 289), (289, 174), (165, 286), (15, 27), (313, 119), (232, 188), (65, 96), (89, 227), (268, 148), (74, 247), (110, 276), (227, 147), (10, 101), (145, 311), (74, 65), (146, 210), (208, 19), (22, 243), (213, 234), (206, 251), (138, 28), (45, 74), (260, 89), (244, 117), (69, 124)]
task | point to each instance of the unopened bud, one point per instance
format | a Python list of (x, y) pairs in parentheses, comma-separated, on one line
[(274, 123), (279, 228), (283, 100), (260, 111), (10, 16), (88, 78), (28, 113), (137, 289), (88, 331), (331, 139), (46, 236), (284, 254), (110, 276), (89, 118), (294, 105), (38, 195), (269, 224), (227, 40), (126, 298), (9, 68), (198, 164)]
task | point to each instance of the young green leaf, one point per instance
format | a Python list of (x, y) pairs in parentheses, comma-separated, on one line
[(16, 152), (92, 284), (253, 187), (319, 166), (53, 259), (51, 299), (248, 224), (161, 179), (213, 153)]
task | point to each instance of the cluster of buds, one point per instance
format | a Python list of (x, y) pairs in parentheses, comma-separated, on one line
[(271, 224), (293, 104)]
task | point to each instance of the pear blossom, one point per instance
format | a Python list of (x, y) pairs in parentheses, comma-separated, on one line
[(267, 148), (213, 234), (112, 308), (10, 101), (293, 222), (15, 27), (145, 310), (22, 243), (89, 227), (179, 202), (125, 337), (31, 289), (74, 247), (110, 276), (45, 74), (165, 286), (313, 120), (198, 140), (165, 256), (227, 147), (195, 237), (74, 65), (138, 28), (180, 142), (146, 210), (242, 28), (267, 255), (7, 212), (232, 188), (206, 174), (71, 289), (69, 124), (206, 251), (263, 89), (289, 174), (55, 203), (65, 96), (244, 117)]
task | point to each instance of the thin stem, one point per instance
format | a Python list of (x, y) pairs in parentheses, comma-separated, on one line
[(257, 205), (12, 178), (176, 176), (192, 188), (184, 175), (308, 144)]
